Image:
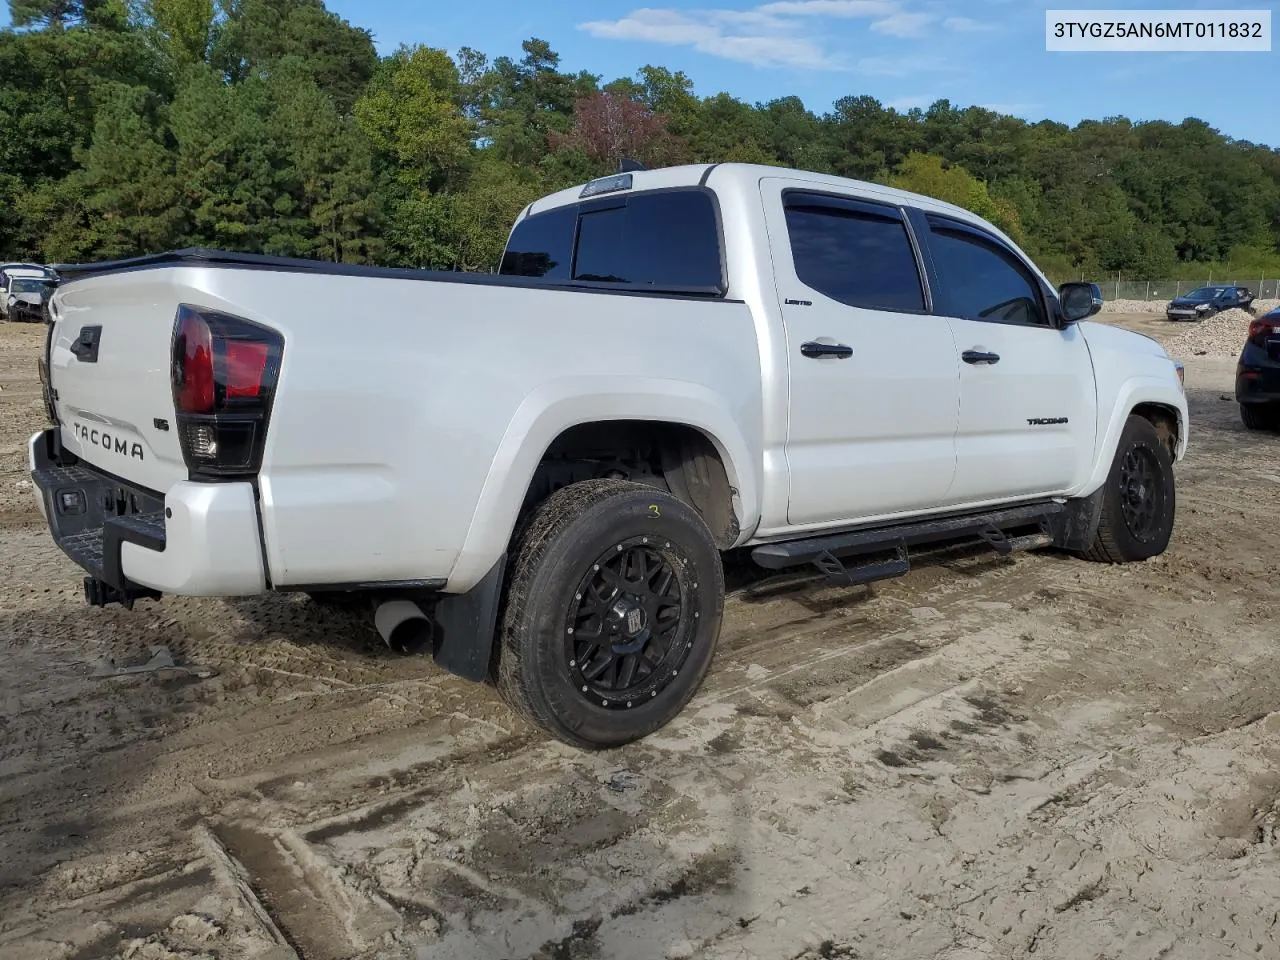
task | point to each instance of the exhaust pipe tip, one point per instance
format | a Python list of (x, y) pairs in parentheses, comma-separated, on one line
[(404, 627)]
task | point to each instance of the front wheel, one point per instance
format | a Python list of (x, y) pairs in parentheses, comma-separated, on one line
[(1138, 502), (613, 612)]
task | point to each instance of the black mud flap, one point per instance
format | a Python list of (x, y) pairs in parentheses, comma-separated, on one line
[(466, 626), (1074, 528)]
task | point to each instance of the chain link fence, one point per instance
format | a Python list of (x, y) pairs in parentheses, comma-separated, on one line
[(1119, 289)]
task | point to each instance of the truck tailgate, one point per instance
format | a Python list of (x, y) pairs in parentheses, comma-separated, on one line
[(109, 370)]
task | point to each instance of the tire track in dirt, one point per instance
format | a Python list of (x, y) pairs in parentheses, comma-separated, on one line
[(986, 757)]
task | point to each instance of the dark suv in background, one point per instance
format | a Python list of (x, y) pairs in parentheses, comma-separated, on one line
[(1258, 374), (1206, 301)]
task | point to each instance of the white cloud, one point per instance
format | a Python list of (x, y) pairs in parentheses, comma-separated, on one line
[(787, 33), (903, 24), (968, 25), (751, 36)]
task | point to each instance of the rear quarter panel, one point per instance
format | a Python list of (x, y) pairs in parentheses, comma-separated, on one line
[(410, 414)]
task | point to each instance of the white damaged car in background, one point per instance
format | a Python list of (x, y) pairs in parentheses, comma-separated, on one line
[(23, 289)]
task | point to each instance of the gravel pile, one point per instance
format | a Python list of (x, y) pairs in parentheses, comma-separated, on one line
[(1134, 306), (1159, 306), (1220, 337)]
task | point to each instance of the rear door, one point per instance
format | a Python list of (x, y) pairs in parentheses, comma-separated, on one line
[(1027, 394), (873, 378), (109, 369)]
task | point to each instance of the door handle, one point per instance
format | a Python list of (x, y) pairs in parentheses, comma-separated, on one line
[(85, 346), (978, 356), (816, 351)]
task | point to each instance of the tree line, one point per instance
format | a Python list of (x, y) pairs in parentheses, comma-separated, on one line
[(273, 126)]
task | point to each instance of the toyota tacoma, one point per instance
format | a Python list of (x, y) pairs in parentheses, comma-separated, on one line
[(532, 475)]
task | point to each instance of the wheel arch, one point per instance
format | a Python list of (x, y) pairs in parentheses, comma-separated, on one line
[(1166, 420), (1153, 399), (711, 464)]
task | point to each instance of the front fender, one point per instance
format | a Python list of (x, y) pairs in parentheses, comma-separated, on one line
[(1133, 392), (555, 407)]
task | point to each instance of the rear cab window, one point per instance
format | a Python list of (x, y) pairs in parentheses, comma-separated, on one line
[(659, 240), (855, 252)]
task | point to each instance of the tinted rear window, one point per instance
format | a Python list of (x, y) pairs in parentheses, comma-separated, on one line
[(854, 255), (668, 240), (542, 245)]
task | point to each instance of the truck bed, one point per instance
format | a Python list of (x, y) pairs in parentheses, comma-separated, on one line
[(200, 256)]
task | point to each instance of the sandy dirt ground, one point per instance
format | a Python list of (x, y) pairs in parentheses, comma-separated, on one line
[(989, 758)]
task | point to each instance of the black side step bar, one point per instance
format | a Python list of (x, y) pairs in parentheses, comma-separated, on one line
[(825, 552)]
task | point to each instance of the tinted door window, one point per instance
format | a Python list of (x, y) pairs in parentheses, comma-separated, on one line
[(984, 282), (853, 254), (664, 240), (541, 245)]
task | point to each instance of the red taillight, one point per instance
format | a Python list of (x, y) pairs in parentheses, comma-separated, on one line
[(1262, 328), (224, 376), (246, 363), (193, 364)]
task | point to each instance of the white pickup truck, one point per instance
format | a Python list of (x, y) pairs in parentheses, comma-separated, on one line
[(533, 475)]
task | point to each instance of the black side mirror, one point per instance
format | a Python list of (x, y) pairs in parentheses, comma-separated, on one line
[(1079, 301)]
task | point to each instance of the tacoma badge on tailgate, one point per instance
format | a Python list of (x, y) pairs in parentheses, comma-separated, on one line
[(101, 438)]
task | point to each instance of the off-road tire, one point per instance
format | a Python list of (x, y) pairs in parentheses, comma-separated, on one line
[(1115, 541), (555, 560), (1260, 416)]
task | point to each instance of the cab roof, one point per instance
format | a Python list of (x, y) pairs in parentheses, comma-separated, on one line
[(744, 176)]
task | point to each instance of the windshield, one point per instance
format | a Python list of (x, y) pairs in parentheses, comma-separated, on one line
[(1205, 293), (26, 285)]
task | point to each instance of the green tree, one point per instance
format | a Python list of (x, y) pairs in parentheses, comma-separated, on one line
[(926, 174), (60, 14), (132, 199), (329, 170), (340, 58), (228, 166), (185, 29), (412, 111), (530, 99), (272, 125)]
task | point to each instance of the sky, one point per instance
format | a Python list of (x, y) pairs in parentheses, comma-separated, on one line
[(905, 53)]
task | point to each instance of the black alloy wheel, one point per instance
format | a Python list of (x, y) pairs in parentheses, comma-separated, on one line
[(612, 612), (1140, 493), (1139, 500), (630, 624)]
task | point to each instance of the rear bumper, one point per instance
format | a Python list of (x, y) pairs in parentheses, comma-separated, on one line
[(198, 539), (23, 312), (1258, 374)]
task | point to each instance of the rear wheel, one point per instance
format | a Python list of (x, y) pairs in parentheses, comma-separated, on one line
[(1138, 502), (1260, 416), (613, 612)]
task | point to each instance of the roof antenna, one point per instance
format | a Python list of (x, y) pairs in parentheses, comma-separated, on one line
[(627, 165)]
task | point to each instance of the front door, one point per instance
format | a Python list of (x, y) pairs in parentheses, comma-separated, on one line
[(1027, 397), (874, 379)]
